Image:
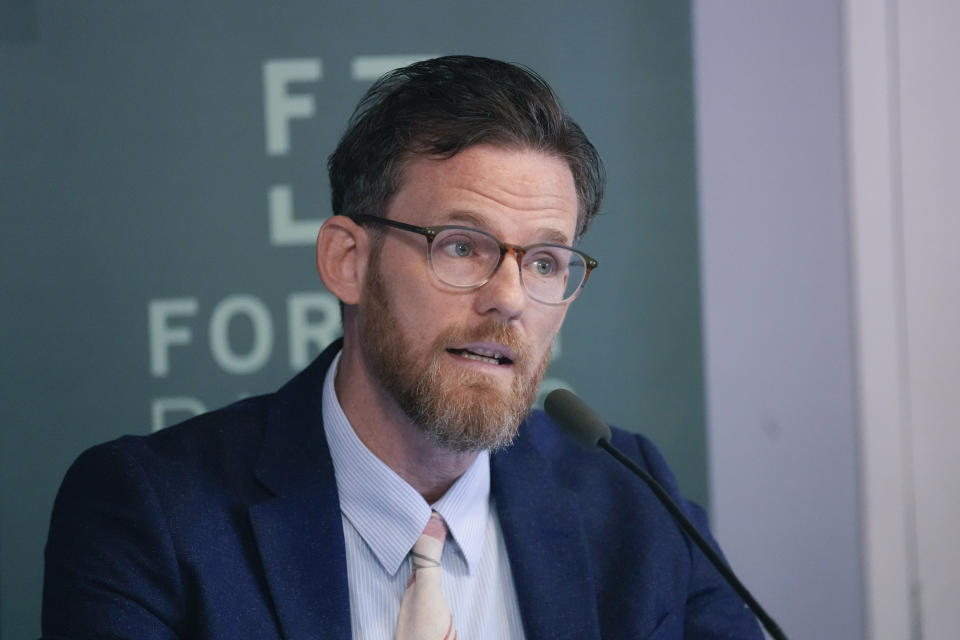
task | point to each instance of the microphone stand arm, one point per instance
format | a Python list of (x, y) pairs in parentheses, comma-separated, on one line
[(768, 623)]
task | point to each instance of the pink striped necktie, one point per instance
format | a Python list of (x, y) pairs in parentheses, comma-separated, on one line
[(424, 614)]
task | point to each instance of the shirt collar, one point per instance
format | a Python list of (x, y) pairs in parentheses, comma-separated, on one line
[(387, 512)]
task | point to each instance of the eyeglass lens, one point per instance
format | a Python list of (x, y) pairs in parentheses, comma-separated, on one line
[(467, 258)]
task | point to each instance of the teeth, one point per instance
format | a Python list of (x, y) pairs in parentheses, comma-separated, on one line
[(479, 358), (488, 353)]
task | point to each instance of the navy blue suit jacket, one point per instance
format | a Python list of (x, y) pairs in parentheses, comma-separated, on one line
[(228, 526)]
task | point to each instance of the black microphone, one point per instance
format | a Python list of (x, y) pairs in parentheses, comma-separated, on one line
[(588, 429)]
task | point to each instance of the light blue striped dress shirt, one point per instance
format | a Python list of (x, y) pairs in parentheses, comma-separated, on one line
[(383, 516)]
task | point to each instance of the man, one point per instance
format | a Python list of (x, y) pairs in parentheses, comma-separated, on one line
[(398, 481)]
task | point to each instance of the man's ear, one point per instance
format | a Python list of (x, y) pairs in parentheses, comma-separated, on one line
[(342, 254)]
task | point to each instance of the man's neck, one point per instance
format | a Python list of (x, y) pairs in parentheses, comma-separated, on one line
[(386, 431)]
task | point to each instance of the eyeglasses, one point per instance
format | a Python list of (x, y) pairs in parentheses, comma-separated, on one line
[(467, 258)]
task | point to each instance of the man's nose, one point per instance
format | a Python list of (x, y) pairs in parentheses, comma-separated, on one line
[(504, 293)]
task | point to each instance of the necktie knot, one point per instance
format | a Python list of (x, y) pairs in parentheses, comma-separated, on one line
[(428, 549), (424, 614)]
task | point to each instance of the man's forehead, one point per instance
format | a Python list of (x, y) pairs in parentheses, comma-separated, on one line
[(479, 221), (475, 186)]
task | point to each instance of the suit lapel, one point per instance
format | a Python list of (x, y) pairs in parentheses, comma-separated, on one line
[(545, 543), (299, 531), (301, 547)]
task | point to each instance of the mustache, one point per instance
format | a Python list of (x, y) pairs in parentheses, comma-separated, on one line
[(488, 331)]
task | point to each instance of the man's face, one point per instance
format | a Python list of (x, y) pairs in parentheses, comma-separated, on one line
[(433, 347)]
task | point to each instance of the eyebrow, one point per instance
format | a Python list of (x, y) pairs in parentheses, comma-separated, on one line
[(551, 236)]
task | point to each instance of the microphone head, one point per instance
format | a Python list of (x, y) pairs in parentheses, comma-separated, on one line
[(577, 420)]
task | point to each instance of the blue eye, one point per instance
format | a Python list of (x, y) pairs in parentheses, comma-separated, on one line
[(462, 249), (543, 267), (547, 261), (458, 244)]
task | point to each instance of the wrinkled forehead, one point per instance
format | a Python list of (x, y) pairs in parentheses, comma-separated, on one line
[(499, 190), (417, 154)]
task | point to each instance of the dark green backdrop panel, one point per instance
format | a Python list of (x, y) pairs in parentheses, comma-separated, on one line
[(142, 277)]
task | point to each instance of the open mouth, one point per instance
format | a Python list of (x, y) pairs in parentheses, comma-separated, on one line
[(482, 355)]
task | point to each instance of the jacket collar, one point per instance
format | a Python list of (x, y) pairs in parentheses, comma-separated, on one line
[(299, 531), (545, 542)]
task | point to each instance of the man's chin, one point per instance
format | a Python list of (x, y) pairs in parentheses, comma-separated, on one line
[(459, 437), (476, 414)]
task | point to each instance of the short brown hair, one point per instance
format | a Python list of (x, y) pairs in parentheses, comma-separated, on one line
[(442, 106)]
